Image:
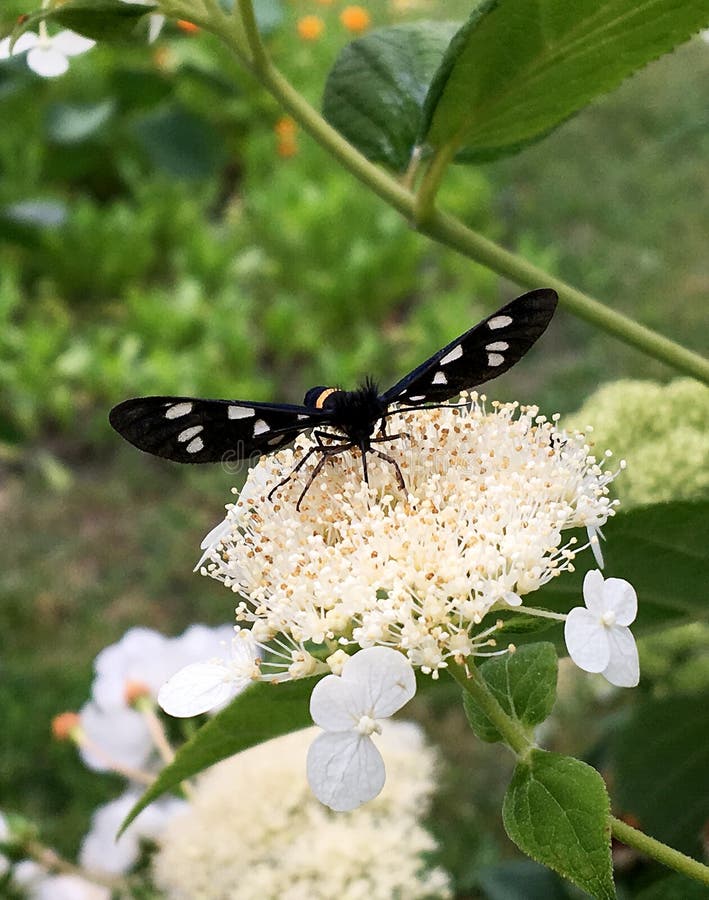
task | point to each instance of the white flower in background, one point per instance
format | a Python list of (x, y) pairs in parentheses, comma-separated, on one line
[(155, 20), (254, 829), (103, 854), (208, 685), (47, 55), (490, 493), (598, 638), (4, 839), (345, 769), (119, 737), (143, 660), (67, 887)]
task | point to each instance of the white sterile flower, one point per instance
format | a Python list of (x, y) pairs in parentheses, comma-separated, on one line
[(490, 492), (67, 887), (117, 737), (143, 660), (344, 767), (598, 638), (231, 845), (47, 55), (102, 853), (204, 686)]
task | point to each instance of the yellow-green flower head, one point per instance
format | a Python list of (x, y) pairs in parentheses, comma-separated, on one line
[(661, 430)]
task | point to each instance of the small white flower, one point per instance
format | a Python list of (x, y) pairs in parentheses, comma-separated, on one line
[(344, 767), (115, 737), (102, 853), (144, 659), (204, 686), (598, 638), (47, 55)]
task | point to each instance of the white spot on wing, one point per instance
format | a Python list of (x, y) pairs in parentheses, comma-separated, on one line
[(178, 410), (495, 359), (455, 353), (498, 345), (195, 446), (499, 322), (439, 378), (301, 417), (260, 427), (189, 433), (417, 398), (240, 412)]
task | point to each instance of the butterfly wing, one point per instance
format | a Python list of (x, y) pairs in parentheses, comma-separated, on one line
[(189, 430), (482, 353)]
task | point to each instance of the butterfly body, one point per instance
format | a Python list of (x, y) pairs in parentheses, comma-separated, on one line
[(192, 430)]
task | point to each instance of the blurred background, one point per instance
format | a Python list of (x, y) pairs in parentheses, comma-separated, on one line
[(163, 229)]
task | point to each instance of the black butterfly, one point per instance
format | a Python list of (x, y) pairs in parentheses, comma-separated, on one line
[(189, 430)]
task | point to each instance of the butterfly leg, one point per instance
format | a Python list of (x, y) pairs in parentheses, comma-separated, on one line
[(294, 471), (327, 453), (390, 459)]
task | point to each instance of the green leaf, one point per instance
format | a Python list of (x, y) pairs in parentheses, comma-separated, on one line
[(662, 551), (661, 757), (72, 123), (524, 684), (262, 712), (515, 71), (180, 143), (557, 811), (102, 20), (374, 93)]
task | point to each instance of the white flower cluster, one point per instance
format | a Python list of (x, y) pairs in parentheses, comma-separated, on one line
[(276, 841), (490, 492), (114, 732)]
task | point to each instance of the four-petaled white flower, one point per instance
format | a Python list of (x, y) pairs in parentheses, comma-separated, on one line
[(47, 55), (598, 638), (203, 686), (345, 769)]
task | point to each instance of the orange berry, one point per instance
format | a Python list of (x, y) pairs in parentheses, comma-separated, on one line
[(287, 147), (310, 27), (355, 19), (285, 127), (187, 27), (64, 725)]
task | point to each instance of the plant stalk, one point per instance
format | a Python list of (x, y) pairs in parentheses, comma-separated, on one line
[(444, 228), (669, 857)]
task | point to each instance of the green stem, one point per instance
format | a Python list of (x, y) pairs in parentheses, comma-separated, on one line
[(424, 203), (673, 859), (452, 232), (472, 682), (518, 740), (253, 36)]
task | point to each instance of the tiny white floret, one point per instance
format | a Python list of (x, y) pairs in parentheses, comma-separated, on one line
[(598, 637), (345, 769)]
